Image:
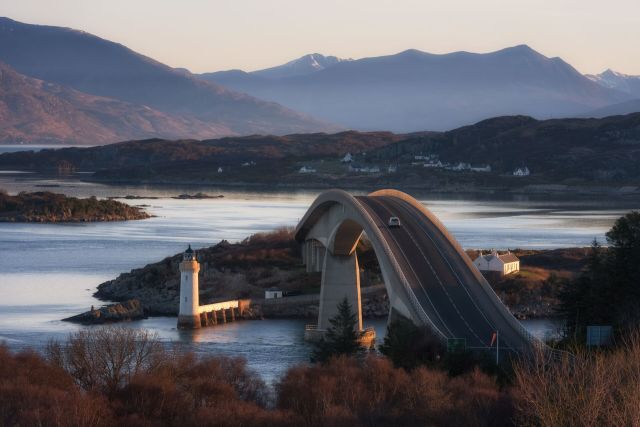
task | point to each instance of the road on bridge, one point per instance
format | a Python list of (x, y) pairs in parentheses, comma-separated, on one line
[(450, 294)]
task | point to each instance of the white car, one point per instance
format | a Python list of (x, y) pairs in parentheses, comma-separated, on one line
[(394, 222)]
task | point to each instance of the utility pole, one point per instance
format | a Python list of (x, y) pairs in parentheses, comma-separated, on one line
[(497, 347)]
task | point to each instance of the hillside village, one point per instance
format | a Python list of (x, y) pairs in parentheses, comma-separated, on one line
[(359, 164)]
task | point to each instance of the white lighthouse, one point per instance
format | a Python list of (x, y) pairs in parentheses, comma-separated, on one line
[(189, 315)]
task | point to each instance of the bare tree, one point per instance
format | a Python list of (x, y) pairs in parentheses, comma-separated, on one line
[(107, 358)]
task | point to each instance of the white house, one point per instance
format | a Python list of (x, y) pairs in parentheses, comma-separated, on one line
[(503, 263), (364, 169), (220, 169), (348, 158), (433, 164), (272, 293), (483, 168), (459, 167), (306, 169), (523, 171)]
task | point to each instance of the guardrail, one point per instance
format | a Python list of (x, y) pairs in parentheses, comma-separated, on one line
[(396, 266)]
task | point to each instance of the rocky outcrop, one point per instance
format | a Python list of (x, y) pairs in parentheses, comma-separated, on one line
[(44, 206), (128, 310)]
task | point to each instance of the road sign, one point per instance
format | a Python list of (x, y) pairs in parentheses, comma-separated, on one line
[(598, 336), (456, 345)]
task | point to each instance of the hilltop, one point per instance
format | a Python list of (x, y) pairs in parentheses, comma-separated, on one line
[(561, 154)]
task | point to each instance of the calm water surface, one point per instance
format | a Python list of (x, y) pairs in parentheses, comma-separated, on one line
[(48, 272)]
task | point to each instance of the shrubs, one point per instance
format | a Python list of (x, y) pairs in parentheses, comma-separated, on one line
[(374, 393), (409, 346), (594, 389), (163, 388), (36, 393)]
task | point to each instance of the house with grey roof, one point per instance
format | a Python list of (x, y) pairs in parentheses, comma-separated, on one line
[(504, 264)]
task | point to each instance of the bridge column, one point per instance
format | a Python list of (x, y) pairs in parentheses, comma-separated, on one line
[(307, 255), (340, 278), (319, 252)]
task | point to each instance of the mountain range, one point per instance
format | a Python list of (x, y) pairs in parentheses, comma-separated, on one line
[(94, 66), (414, 90), (64, 85)]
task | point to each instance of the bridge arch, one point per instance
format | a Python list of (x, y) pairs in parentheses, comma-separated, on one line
[(428, 277)]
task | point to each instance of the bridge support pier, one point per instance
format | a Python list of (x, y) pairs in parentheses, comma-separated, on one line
[(340, 279)]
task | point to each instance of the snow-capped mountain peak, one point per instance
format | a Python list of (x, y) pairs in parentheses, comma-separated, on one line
[(619, 81), (304, 65)]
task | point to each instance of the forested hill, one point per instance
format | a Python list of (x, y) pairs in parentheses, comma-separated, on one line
[(232, 149), (590, 149), (562, 151)]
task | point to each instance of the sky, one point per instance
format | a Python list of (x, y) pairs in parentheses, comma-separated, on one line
[(213, 35)]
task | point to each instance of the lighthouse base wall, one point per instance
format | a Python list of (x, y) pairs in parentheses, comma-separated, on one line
[(189, 322)]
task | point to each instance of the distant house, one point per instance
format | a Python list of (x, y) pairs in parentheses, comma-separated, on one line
[(272, 293), (433, 164), (483, 168), (348, 158), (364, 169), (219, 169), (523, 171), (459, 167), (503, 263), (306, 169)]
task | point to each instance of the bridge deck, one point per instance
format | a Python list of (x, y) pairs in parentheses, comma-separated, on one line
[(448, 291)]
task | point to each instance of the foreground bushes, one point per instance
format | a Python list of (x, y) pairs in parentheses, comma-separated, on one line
[(374, 393), (114, 376), (594, 389)]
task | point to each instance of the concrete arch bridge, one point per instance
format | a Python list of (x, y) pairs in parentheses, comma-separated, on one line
[(427, 275)]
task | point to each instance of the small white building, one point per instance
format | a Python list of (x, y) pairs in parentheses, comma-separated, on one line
[(523, 171), (392, 169), (459, 167), (219, 169), (348, 158), (364, 169), (503, 263), (482, 168), (272, 293), (433, 164), (306, 169)]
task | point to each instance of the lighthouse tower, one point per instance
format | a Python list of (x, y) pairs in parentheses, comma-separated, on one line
[(189, 315)]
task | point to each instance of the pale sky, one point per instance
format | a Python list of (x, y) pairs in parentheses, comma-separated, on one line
[(213, 35)]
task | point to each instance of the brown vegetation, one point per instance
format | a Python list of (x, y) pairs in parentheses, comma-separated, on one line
[(111, 376), (374, 393), (594, 389)]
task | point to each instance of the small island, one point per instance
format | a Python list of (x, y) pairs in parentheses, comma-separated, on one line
[(44, 206)]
